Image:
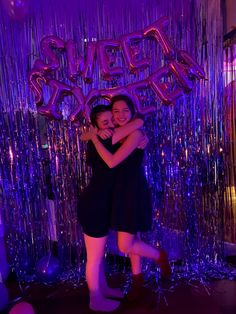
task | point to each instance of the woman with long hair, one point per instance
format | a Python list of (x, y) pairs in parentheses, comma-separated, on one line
[(95, 204), (131, 201)]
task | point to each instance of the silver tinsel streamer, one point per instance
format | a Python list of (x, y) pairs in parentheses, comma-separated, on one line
[(229, 137), (43, 164)]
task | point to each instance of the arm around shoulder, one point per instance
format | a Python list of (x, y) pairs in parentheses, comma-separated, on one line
[(126, 130), (129, 145)]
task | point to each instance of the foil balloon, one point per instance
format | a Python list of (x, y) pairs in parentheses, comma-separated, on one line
[(22, 308), (181, 75), (156, 30), (36, 78), (133, 89), (48, 45), (16, 9), (79, 65), (192, 67), (161, 88), (88, 68), (80, 100), (48, 269), (90, 99), (106, 60), (74, 63), (131, 54), (59, 90), (111, 92)]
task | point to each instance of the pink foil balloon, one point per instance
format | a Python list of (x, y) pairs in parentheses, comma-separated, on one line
[(74, 63), (181, 75), (89, 100), (108, 93), (36, 78), (59, 90), (80, 108), (131, 56), (106, 61), (132, 89), (193, 68), (161, 89), (78, 65), (156, 30), (47, 45)]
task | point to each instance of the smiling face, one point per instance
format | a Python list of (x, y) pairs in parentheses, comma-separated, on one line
[(121, 113), (105, 120)]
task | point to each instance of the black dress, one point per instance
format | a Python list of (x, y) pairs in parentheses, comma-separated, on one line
[(131, 201), (94, 206)]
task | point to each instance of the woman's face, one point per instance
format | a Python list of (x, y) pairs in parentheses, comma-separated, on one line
[(105, 120), (121, 113)]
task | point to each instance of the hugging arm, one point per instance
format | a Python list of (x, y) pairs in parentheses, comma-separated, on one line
[(126, 130), (122, 153), (118, 134)]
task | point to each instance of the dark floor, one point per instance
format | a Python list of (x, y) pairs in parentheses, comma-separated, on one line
[(173, 297)]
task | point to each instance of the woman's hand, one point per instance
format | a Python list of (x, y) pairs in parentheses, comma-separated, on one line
[(105, 134), (89, 134), (144, 142)]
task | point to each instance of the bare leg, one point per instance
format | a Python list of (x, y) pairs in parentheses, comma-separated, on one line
[(107, 291), (136, 266), (95, 251), (135, 261), (129, 245)]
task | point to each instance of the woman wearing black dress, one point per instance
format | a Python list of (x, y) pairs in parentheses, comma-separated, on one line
[(94, 210), (131, 203)]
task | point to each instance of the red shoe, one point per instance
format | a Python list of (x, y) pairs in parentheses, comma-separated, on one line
[(164, 264)]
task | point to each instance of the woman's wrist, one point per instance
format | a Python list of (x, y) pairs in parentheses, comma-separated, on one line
[(95, 139)]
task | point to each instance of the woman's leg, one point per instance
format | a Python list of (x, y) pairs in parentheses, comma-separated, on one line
[(107, 291), (129, 245), (135, 291), (95, 252), (135, 261)]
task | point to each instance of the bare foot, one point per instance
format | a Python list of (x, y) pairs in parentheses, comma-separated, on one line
[(99, 303)]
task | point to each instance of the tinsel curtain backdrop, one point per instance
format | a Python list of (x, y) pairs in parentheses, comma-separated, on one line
[(43, 164)]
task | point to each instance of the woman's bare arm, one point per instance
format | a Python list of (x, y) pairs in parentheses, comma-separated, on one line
[(125, 130), (122, 153), (118, 134)]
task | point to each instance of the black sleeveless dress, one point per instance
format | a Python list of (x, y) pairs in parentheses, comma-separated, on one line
[(95, 202), (131, 198)]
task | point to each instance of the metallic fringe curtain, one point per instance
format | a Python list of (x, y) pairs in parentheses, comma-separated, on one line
[(43, 167)]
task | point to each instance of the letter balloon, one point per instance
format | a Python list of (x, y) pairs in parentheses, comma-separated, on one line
[(106, 60), (156, 30), (36, 78), (47, 45), (59, 90), (132, 54), (133, 90), (161, 89)]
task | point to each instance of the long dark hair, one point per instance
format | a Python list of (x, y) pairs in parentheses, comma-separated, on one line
[(96, 111), (127, 100)]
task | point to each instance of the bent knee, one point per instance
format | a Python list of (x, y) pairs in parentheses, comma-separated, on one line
[(125, 248)]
